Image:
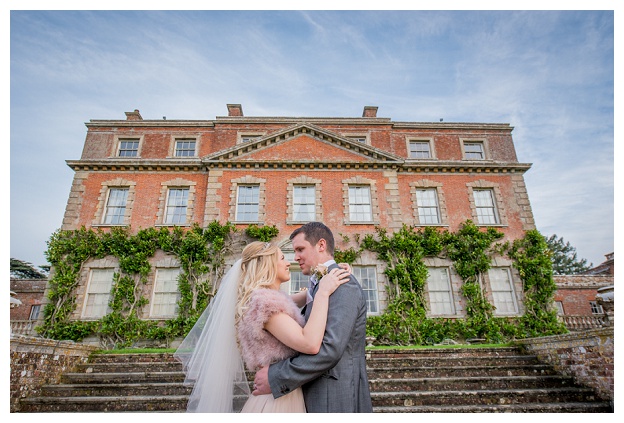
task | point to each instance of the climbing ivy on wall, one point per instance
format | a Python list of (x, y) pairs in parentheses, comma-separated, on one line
[(531, 257), (202, 253), (470, 249)]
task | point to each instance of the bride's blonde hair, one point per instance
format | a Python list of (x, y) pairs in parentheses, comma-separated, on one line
[(258, 270)]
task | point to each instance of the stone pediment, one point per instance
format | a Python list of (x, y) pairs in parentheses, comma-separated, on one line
[(302, 144)]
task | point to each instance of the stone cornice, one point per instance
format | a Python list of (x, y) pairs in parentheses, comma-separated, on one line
[(297, 120), (149, 123), (463, 166), (126, 165), (220, 120), (453, 125), (197, 165)]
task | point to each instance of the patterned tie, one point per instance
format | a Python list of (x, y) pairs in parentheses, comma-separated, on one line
[(312, 284)]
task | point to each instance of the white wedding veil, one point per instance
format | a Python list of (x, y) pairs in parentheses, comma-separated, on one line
[(210, 355)]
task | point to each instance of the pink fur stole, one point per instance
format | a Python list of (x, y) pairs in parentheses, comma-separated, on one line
[(259, 347)]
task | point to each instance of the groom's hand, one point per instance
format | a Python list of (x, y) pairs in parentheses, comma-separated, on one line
[(261, 382)]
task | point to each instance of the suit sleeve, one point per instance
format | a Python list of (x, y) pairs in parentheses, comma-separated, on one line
[(344, 308)]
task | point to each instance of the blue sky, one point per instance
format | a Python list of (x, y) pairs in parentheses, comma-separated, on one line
[(550, 74)]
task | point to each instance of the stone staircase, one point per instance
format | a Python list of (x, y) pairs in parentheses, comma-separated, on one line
[(475, 380), (481, 380)]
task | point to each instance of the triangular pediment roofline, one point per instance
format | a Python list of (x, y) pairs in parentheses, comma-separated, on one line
[(239, 151)]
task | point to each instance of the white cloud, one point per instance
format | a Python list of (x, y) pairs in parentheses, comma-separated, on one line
[(549, 74)]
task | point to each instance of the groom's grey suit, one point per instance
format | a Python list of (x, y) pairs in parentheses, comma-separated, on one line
[(334, 380)]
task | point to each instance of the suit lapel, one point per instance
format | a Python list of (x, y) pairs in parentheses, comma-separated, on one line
[(306, 310)]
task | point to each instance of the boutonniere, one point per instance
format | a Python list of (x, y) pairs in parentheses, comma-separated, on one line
[(320, 271)]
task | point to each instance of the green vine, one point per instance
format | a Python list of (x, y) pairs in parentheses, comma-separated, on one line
[(470, 249), (201, 252), (262, 233), (531, 258)]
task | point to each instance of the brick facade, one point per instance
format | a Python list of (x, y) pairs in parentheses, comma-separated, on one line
[(277, 154), (577, 291), (30, 293)]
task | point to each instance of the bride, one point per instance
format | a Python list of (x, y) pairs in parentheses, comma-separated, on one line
[(251, 323)]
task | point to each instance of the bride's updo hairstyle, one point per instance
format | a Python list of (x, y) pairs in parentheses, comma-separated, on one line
[(258, 270)]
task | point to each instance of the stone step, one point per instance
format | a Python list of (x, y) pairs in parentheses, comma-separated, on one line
[(105, 404), (120, 367), (115, 389), (442, 352), (124, 377), (567, 407), (487, 397), (469, 383), (133, 358), (445, 362), (161, 373), (459, 371), (422, 380)]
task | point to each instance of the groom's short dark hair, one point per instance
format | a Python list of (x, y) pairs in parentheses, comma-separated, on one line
[(313, 232)]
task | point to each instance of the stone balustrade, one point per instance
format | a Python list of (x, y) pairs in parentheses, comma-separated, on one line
[(23, 327), (575, 323)]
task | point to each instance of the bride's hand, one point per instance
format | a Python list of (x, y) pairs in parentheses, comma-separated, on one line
[(332, 280), (345, 266)]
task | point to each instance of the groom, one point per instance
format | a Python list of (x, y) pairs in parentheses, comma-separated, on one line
[(334, 380)]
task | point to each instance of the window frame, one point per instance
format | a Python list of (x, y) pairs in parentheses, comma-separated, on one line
[(36, 310), (371, 291), (252, 135), (256, 186), (427, 141), (421, 207), (123, 138), (311, 215), (155, 291), (511, 291), (596, 308), (184, 140), (108, 206), (358, 137), (450, 303), (353, 203), (493, 207), (470, 142), (302, 282), (168, 206), (89, 294)]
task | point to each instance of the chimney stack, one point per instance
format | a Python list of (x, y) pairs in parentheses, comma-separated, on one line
[(134, 115), (235, 110), (370, 112)]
